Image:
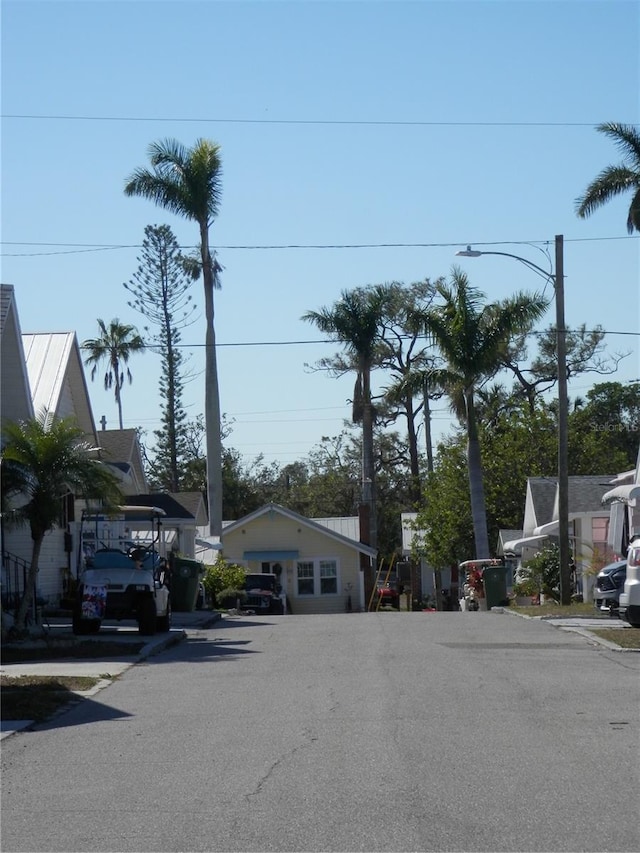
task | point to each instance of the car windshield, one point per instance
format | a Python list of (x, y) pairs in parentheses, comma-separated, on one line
[(259, 582)]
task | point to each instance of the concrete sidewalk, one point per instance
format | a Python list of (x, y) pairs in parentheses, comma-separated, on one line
[(126, 632)]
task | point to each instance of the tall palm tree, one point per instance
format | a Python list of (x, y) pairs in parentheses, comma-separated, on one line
[(471, 335), (615, 180), (43, 460), (355, 322), (187, 182), (115, 345)]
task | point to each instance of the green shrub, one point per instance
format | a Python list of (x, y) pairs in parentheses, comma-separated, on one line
[(228, 597), (222, 575), (543, 572), (525, 588)]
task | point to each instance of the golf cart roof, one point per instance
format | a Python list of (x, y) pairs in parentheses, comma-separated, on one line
[(479, 564)]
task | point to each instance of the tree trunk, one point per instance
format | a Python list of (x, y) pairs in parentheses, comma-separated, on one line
[(115, 367), (415, 490), (32, 574), (476, 485), (212, 395), (427, 427), (368, 467)]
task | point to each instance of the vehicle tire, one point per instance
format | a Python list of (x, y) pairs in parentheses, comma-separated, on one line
[(147, 620), (633, 616), (163, 623)]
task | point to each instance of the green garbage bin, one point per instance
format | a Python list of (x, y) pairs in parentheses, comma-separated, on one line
[(494, 579), (185, 579)]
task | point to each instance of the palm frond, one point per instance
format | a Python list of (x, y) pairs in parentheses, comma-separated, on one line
[(626, 137)]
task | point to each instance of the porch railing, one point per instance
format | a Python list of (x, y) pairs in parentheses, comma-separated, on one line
[(14, 582)]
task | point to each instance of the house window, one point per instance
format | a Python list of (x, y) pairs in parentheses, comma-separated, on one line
[(317, 577), (328, 577), (305, 579)]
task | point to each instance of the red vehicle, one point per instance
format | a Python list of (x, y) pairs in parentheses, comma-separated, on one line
[(388, 594)]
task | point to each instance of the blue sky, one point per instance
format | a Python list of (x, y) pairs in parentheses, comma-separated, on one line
[(340, 124)]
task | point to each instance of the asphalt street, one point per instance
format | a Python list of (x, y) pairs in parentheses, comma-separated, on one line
[(356, 732)]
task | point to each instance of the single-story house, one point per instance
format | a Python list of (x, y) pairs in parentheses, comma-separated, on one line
[(321, 562)]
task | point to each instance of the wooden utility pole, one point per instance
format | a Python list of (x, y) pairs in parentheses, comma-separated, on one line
[(563, 417)]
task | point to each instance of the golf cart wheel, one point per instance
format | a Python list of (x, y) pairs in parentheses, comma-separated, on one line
[(147, 620)]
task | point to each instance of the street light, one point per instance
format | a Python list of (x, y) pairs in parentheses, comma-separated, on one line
[(557, 280)]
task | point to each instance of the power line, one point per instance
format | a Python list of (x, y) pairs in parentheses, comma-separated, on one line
[(303, 122), (83, 248), (533, 333)]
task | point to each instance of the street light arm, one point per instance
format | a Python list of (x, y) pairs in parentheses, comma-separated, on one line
[(470, 253)]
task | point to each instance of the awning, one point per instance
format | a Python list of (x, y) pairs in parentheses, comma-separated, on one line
[(516, 545), (270, 556), (213, 543), (624, 494), (548, 529)]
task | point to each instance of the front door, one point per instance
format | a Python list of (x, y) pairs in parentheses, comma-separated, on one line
[(280, 572)]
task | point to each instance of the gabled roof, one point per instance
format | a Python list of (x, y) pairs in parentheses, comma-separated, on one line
[(542, 491), (348, 526), (121, 448), (586, 493), (193, 502), (301, 520), (172, 507), (56, 377), (14, 380)]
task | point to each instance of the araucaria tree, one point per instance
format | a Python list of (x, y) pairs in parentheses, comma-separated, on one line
[(615, 180), (43, 460), (187, 182), (114, 346), (160, 290), (471, 335)]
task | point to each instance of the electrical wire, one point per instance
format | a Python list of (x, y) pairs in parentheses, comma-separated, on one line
[(81, 248), (312, 122)]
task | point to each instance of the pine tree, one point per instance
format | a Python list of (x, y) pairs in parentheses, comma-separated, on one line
[(160, 290)]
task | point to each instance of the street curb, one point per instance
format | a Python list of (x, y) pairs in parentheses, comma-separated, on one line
[(153, 647), (584, 632)]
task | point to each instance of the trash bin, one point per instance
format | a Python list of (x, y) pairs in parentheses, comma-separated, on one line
[(185, 579), (494, 579)]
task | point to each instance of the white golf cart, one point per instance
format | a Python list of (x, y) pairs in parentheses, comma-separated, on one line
[(122, 578)]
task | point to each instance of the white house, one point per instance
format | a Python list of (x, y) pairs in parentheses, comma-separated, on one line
[(588, 525)]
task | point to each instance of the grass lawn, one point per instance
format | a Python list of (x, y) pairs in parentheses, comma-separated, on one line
[(553, 609), (37, 697), (626, 638), (82, 650)]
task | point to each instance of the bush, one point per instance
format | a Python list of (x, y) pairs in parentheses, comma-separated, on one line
[(543, 572), (228, 597), (222, 575), (526, 588)]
